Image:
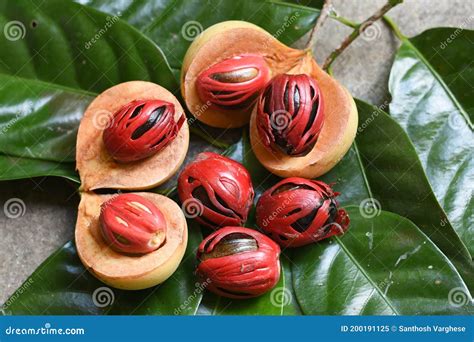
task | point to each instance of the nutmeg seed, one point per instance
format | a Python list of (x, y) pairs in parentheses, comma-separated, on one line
[(297, 211), (215, 190), (290, 114), (238, 262), (233, 83), (132, 224), (140, 129)]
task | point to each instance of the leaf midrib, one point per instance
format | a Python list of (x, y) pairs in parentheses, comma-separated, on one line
[(364, 273), (56, 86), (439, 79)]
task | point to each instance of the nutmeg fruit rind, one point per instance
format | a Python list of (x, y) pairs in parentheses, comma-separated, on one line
[(129, 272), (97, 167), (221, 42), (334, 140)]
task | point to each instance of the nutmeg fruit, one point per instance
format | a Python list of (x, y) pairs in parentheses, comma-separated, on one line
[(108, 258), (236, 48), (308, 151), (297, 211), (238, 262), (108, 156), (215, 190)]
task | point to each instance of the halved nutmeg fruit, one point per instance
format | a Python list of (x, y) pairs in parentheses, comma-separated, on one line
[(133, 136), (304, 122), (130, 241), (227, 67)]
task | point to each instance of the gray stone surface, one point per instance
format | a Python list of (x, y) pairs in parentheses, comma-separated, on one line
[(51, 204)]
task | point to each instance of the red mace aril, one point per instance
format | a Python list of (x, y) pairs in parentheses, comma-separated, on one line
[(140, 129), (298, 211), (233, 83), (238, 262), (290, 114), (216, 190), (132, 224)]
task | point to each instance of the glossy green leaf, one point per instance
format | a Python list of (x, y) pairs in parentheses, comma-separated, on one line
[(18, 168), (62, 286), (431, 85), (55, 56), (174, 24), (383, 265)]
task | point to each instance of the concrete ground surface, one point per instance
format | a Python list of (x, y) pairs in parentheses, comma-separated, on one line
[(51, 203)]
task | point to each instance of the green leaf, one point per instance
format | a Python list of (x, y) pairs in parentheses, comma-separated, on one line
[(51, 67), (431, 87), (18, 168), (383, 265), (187, 18), (383, 165), (62, 286)]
